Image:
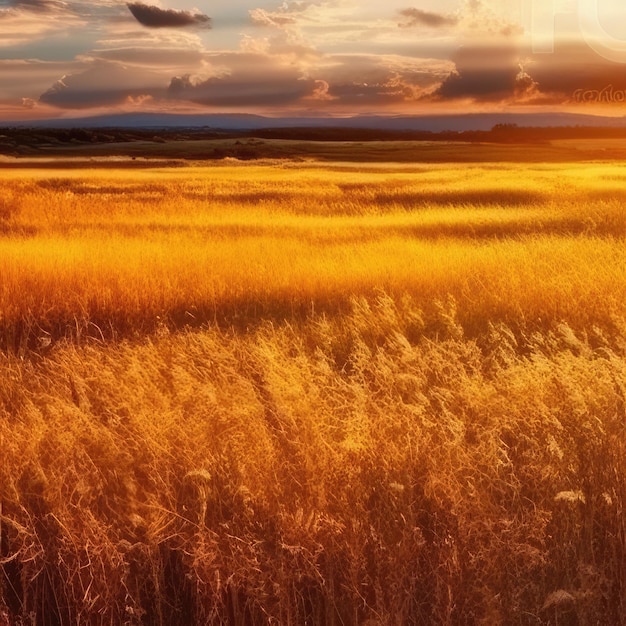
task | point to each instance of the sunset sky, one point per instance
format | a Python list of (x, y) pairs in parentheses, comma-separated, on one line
[(305, 57)]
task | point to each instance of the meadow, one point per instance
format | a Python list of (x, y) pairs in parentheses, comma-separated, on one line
[(292, 393)]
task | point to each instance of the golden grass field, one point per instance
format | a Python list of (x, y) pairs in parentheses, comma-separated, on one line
[(283, 393)]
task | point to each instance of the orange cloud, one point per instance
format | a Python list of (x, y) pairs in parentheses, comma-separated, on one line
[(260, 17)]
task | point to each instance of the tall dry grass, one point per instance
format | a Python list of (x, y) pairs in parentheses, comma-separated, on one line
[(348, 471), (110, 253), (255, 395)]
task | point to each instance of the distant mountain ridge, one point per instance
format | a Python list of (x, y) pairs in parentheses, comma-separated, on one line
[(250, 122)]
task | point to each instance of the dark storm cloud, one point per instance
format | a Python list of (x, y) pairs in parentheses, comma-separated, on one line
[(417, 17), (154, 17)]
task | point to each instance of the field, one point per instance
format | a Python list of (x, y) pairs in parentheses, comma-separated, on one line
[(287, 393)]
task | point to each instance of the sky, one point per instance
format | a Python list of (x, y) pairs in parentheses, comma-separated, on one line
[(65, 58)]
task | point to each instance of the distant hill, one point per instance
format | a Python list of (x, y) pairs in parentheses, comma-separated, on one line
[(245, 122)]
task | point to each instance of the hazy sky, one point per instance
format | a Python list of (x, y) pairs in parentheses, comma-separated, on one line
[(64, 57)]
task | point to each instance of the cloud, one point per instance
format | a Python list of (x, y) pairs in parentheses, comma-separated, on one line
[(485, 72), (155, 17), (172, 58), (330, 55), (102, 84), (37, 5), (488, 66), (417, 17), (128, 42), (572, 67), (392, 91), (26, 21), (511, 73), (244, 80), (300, 8), (321, 92), (28, 78), (479, 19), (368, 80), (140, 100), (261, 17)]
